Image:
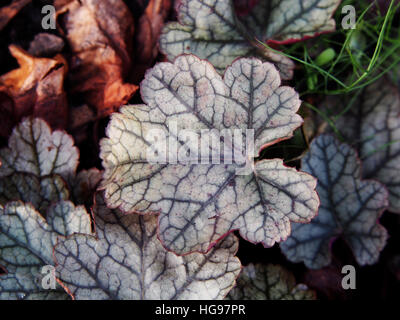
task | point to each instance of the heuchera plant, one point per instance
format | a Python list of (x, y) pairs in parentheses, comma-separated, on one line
[(27, 240), (211, 29), (34, 206), (198, 204), (268, 282), (373, 123), (124, 259), (187, 167), (127, 261), (350, 208)]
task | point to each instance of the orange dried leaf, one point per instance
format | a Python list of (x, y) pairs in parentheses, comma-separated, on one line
[(100, 36), (36, 88)]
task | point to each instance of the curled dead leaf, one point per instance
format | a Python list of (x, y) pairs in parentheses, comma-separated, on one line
[(35, 88), (100, 36), (149, 30)]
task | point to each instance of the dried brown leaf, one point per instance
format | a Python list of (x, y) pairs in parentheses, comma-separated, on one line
[(100, 36), (36, 88), (149, 30)]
